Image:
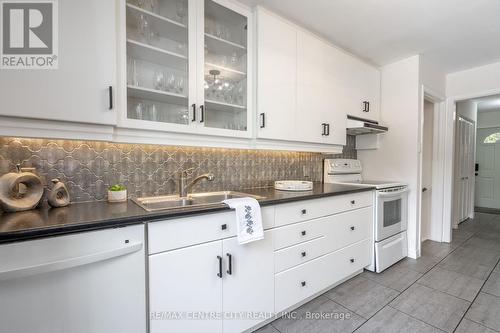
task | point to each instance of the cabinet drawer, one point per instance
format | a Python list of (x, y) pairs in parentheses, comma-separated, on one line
[(298, 233), (299, 254), (172, 234), (310, 209), (350, 227), (298, 283)]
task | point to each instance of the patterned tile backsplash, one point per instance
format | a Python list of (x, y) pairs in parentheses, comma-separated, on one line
[(88, 168)]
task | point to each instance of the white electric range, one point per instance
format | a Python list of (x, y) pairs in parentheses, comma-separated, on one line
[(390, 211)]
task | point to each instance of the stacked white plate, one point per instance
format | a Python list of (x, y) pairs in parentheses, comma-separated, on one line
[(293, 185)]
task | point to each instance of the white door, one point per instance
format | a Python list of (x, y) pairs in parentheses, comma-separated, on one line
[(488, 173), (464, 171), (159, 65), (276, 77), (183, 284), (248, 282), (319, 118), (224, 70), (79, 89)]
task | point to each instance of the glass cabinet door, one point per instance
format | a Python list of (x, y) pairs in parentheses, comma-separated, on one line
[(157, 61), (225, 68)]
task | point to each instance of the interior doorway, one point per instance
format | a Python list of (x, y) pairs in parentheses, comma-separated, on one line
[(427, 163), (487, 167)]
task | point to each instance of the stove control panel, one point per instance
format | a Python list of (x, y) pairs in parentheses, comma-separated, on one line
[(342, 166)]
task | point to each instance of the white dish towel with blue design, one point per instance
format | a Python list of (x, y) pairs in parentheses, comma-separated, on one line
[(248, 219)]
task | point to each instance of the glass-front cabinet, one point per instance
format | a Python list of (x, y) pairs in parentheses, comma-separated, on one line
[(187, 67)]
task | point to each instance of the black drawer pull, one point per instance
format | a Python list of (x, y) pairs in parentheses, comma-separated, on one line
[(262, 120), (352, 260), (110, 93), (202, 113), (194, 112), (230, 268), (223, 227), (303, 283), (219, 258), (303, 233), (304, 211), (353, 202), (353, 228), (303, 254)]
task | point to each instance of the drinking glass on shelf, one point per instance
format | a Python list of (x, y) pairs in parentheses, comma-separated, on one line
[(139, 110), (181, 10), (170, 86), (179, 85), (154, 38), (234, 60), (218, 30), (223, 60), (152, 112), (159, 80), (132, 72), (144, 29)]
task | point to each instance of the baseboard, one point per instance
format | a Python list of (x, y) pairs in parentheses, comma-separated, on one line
[(487, 210)]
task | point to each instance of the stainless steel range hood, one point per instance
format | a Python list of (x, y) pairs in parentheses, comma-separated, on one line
[(360, 126)]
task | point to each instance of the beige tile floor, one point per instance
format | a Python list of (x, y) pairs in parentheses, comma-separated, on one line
[(451, 288)]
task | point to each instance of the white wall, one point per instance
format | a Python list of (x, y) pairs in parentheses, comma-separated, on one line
[(474, 82), (432, 77), (467, 109), (488, 119), (398, 156)]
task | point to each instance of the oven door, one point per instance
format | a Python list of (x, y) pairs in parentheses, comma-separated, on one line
[(391, 213)]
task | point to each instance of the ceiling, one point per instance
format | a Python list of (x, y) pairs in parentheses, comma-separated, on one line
[(451, 34), (488, 103)]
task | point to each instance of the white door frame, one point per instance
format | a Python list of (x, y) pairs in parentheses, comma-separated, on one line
[(438, 165), (448, 137)]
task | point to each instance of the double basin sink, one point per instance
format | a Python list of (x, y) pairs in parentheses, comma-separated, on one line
[(195, 200)]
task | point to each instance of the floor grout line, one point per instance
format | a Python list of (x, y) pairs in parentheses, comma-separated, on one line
[(401, 292)]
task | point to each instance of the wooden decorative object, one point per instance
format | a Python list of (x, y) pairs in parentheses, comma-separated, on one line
[(20, 191), (59, 195)]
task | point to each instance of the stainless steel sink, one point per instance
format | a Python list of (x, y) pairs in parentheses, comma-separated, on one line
[(192, 200)]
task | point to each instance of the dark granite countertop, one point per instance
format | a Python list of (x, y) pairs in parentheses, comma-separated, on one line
[(45, 221)]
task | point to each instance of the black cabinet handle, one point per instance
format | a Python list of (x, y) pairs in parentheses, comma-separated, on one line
[(303, 233), (303, 254), (223, 227), (220, 266), (230, 265), (262, 120), (352, 260), (110, 93), (353, 228), (303, 283), (353, 202), (327, 129), (323, 126), (194, 112), (366, 106), (202, 113), (304, 211)]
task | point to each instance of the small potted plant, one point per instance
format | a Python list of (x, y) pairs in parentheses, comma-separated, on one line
[(117, 193)]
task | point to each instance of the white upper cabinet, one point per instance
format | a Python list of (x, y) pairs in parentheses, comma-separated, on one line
[(320, 116), (78, 90), (276, 77), (188, 67), (307, 87)]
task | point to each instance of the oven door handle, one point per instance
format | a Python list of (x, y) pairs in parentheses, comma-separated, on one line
[(391, 194)]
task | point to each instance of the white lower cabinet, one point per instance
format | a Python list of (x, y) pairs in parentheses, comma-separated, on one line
[(202, 280), (301, 282), (182, 284), (220, 286), (248, 290)]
